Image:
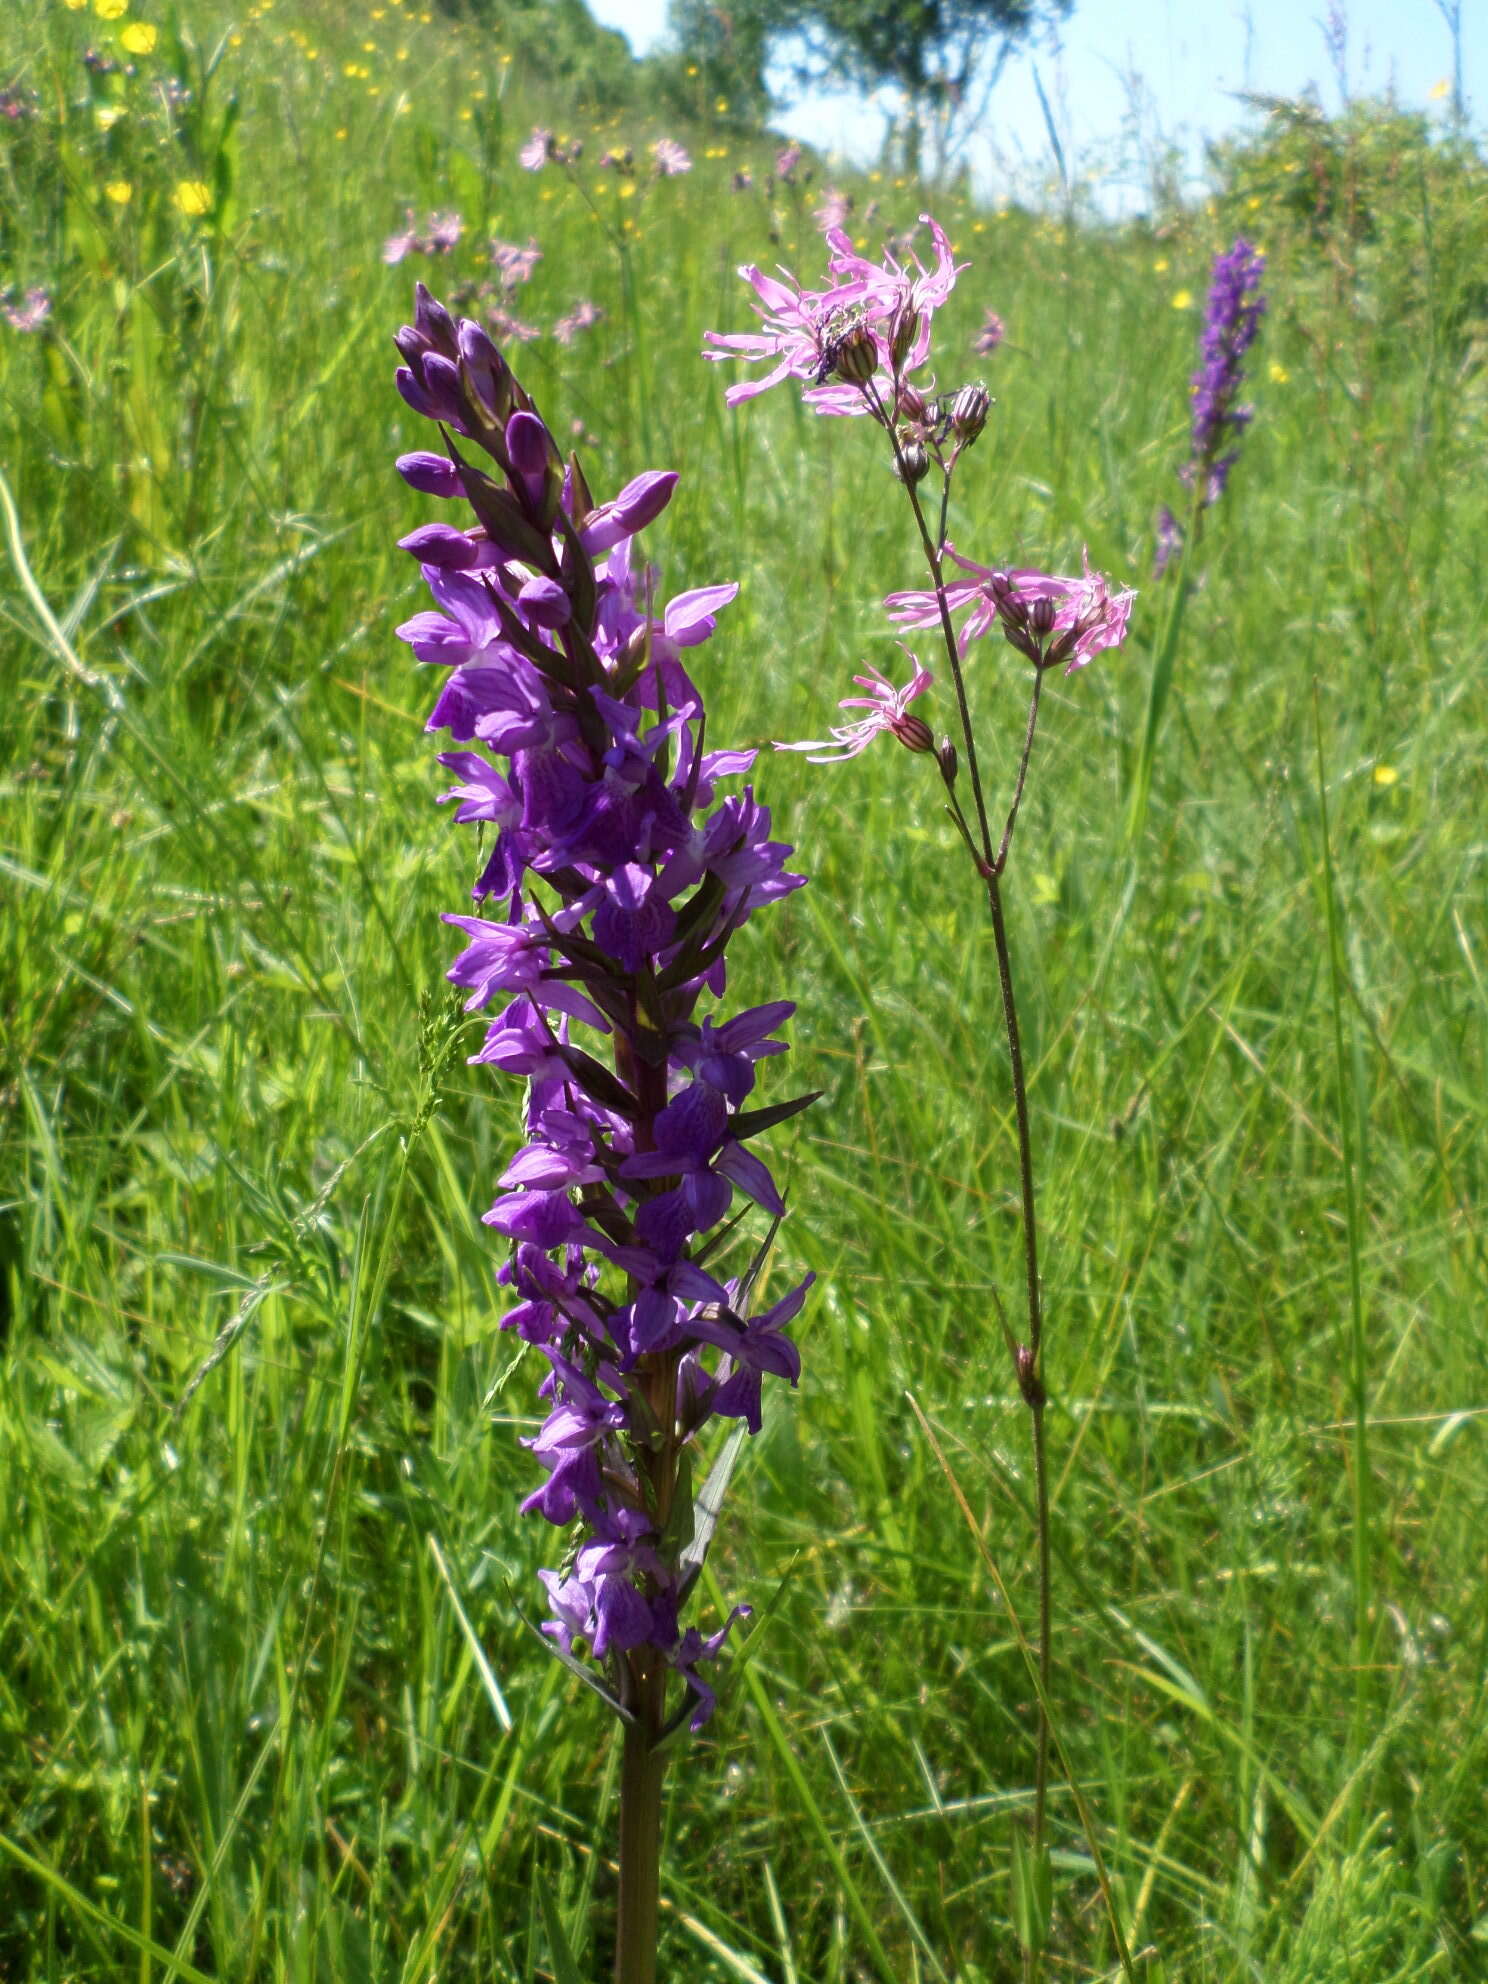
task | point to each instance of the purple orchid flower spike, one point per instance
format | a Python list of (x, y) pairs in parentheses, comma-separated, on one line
[(1232, 320), (617, 872)]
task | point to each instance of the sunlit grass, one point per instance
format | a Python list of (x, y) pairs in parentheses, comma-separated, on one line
[(245, 1736)]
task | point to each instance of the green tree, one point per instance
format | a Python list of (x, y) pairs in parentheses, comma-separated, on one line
[(942, 55)]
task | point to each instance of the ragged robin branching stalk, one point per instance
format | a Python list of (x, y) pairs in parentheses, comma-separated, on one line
[(857, 346)]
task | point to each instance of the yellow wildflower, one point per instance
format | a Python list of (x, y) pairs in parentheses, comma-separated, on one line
[(1277, 374), (1182, 299), (138, 38), (107, 115), (120, 192), (193, 197), (1386, 775), (111, 10)]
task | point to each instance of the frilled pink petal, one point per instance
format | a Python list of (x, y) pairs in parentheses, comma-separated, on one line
[(922, 609), (846, 402), (782, 299), (739, 344), (936, 284), (748, 389)]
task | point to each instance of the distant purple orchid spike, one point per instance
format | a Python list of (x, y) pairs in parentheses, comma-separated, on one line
[(1232, 321), (614, 877)]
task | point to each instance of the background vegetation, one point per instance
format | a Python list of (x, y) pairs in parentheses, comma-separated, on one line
[(266, 1708)]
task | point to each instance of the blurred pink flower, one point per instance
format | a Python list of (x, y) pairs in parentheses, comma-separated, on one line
[(30, 313), (583, 317), (538, 149), (990, 336), (504, 325), (672, 160), (513, 264), (444, 232), (397, 246)]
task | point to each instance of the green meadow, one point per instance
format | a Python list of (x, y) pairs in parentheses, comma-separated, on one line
[(269, 1710)]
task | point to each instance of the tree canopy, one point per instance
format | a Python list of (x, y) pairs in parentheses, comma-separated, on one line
[(936, 52)]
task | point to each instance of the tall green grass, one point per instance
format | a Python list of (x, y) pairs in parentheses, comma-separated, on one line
[(249, 1732)]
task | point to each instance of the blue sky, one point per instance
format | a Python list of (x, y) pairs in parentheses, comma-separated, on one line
[(1190, 58)]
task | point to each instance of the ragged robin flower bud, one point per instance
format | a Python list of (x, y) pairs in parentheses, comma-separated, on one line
[(904, 328), (912, 731), (911, 461), (910, 404), (855, 355), (969, 411)]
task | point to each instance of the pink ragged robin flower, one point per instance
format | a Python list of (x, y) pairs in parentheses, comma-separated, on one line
[(1050, 620), (888, 709)]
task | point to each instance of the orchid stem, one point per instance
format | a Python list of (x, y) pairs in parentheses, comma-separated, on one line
[(642, 1770)]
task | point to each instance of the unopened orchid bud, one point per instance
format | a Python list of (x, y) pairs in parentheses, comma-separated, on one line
[(945, 757), (435, 475), (442, 546), (432, 388), (433, 322), (486, 371), (969, 411), (536, 465)]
